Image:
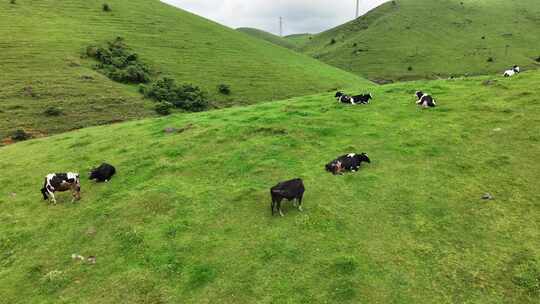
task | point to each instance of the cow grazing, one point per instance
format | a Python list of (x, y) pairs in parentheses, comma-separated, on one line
[(348, 162), (290, 190), (425, 100), (509, 73), (60, 182), (103, 173), (354, 100)]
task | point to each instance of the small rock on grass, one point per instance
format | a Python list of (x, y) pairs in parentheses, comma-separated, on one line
[(487, 197)]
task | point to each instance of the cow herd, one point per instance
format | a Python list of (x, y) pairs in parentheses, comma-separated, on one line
[(291, 190)]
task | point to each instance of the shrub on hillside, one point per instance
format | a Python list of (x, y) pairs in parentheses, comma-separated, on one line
[(119, 63), (224, 89), (185, 96), (20, 135), (106, 7), (53, 111), (13, 1), (490, 59), (333, 41), (538, 59), (163, 108), (410, 68)]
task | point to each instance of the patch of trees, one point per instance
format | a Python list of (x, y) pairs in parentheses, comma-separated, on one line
[(120, 64), (170, 94)]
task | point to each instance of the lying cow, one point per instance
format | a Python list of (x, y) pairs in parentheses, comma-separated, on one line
[(290, 190), (348, 162), (103, 173), (425, 100), (509, 73), (60, 182), (354, 100)]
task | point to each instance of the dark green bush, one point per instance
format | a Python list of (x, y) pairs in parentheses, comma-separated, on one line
[(13, 1), (333, 41), (20, 135), (106, 7), (163, 108), (185, 96), (53, 111), (490, 59), (119, 63), (538, 59), (224, 89)]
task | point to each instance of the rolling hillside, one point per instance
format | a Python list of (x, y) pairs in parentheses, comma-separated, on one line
[(410, 39), (42, 43), (187, 218), (299, 39), (260, 34)]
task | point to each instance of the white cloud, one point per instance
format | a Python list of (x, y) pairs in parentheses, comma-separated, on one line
[(300, 16)]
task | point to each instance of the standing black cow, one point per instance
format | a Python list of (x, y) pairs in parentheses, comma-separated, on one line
[(103, 173), (290, 190), (348, 162)]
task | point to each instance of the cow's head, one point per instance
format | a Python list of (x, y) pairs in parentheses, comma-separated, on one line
[(339, 94), (364, 158), (45, 194), (93, 174), (419, 94), (334, 167)]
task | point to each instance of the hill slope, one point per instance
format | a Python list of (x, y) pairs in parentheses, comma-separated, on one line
[(187, 218), (41, 66), (260, 34), (299, 39), (408, 39)]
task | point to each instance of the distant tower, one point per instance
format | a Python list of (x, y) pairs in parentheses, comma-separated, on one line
[(357, 8), (280, 26)]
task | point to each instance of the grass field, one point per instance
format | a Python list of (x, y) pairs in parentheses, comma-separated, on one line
[(187, 218), (299, 39), (42, 42), (275, 39), (412, 39)]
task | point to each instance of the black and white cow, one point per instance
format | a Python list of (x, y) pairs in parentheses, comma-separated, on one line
[(60, 182), (103, 173), (509, 73), (290, 190), (354, 100), (425, 100), (348, 162)]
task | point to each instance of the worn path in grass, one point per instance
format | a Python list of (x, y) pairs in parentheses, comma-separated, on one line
[(187, 218)]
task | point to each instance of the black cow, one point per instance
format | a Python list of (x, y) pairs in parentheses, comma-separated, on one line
[(103, 173), (290, 190), (61, 182), (425, 100), (357, 99), (348, 162)]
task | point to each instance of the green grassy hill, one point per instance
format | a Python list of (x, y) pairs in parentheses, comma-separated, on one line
[(187, 218), (411, 39), (299, 39), (42, 42), (260, 34)]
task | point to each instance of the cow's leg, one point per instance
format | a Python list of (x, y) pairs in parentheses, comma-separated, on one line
[(279, 208), (272, 206), (300, 203), (51, 195)]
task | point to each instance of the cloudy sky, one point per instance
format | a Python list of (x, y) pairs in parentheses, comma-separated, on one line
[(300, 16)]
